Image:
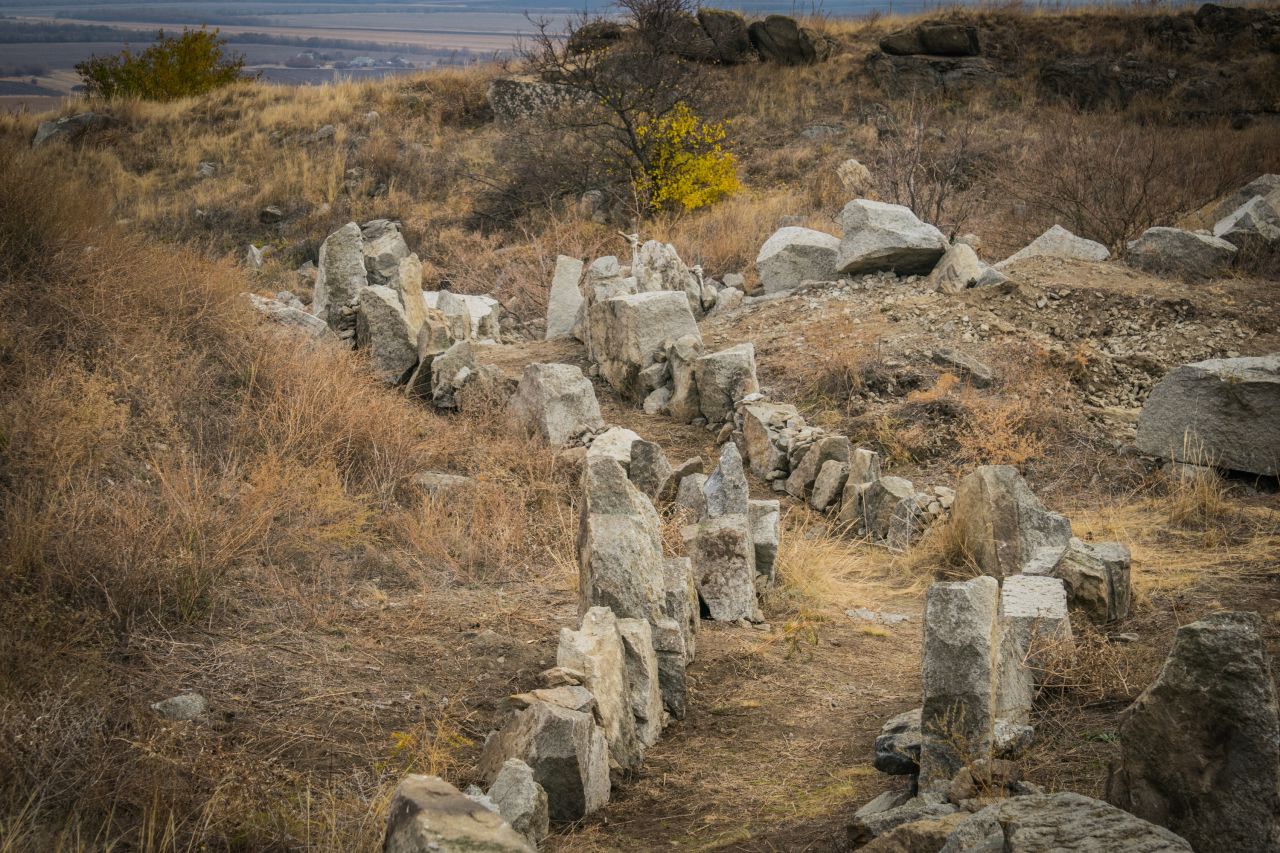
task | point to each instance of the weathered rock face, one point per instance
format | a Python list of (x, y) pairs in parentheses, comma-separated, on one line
[(764, 517), (1255, 224), (620, 564), (961, 659), (514, 99), (892, 810), (407, 282), (1003, 525), (779, 39), (567, 752), (829, 485), (886, 502), (724, 566), (616, 443), (521, 801), (627, 333), (825, 449), (340, 275), (456, 310), (434, 338), (69, 128), (793, 255), (449, 372), (644, 694), (384, 249), (1219, 412), (933, 39), (1033, 615), (1259, 186), (1058, 242), (1185, 254), (649, 468), (929, 75), (682, 355), (723, 378), (761, 423), (1097, 579), (555, 402), (596, 651), (1200, 748), (680, 601), (427, 814), (1064, 821), (854, 177), (657, 266), (880, 236), (566, 298), (726, 489), (958, 270), (728, 32), (383, 328), (964, 365)]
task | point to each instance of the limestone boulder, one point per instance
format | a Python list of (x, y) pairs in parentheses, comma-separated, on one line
[(1200, 748), (408, 284), (340, 275), (1037, 823), (961, 660), (1230, 203), (1058, 242), (723, 378), (566, 751), (874, 820), (854, 177), (628, 332), (521, 801), (680, 601), (596, 651), (69, 129), (728, 33), (620, 563), (457, 312), (383, 329), (1033, 618), (519, 98), (1218, 412), (690, 496), (1182, 254), (793, 255), (427, 814), (764, 517), (565, 299), (897, 747), (884, 500), (880, 236), (1003, 526), (555, 402)]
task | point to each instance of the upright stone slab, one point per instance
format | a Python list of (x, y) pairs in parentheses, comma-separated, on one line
[(794, 255), (882, 501), (1097, 579), (829, 485), (880, 236), (649, 468), (864, 469), (555, 402), (682, 354), (961, 658), (565, 299), (340, 274), (627, 334), (521, 801), (383, 329), (764, 517), (620, 562), (408, 283), (1219, 412), (726, 489), (1033, 617), (596, 651), (680, 601), (724, 378), (427, 815), (1002, 524), (823, 450), (566, 750), (672, 660), (1200, 748), (384, 249), (724, 565), (644, 692), (761, 425)]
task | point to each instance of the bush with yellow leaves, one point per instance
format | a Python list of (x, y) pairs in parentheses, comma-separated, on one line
[(688, 166)]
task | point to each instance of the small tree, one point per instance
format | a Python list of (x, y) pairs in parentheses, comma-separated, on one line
[(172, 67)]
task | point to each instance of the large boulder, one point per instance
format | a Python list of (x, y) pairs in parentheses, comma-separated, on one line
[(886, 502), (1058, 242), (781, 40), (723, 378), (566, 298), (596, 651), (1039, 823), (340, 275), (1002, 525), (728, 32), (383, 329), (1253, 225), (1219, 412), (657, 266), (628, 332), (793, 255), (961, 660), (880, 236), (935, 39), (384, 248), (566, 750), (620, 564), (555, 402), (521, 801), (428, 815), (1033, 619), (724, 566), (1185, 254), (1200, 748), (615, 443)]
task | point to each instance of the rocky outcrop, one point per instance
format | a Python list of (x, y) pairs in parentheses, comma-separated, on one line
[(69, 129), (935, 39), (728, 33), (1184, 254), (880, 236), (383, 329), (781, 40), (427, 814), (1219, 412), (519, 98), (555, 402), (1200, 748), (794, 255), (628, 332)]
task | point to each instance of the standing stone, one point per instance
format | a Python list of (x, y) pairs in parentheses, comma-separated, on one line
[(449, 372), (620, 563), (596, 651), (340, 275), (958, 270), (761, 424), (881, 501), (1033, 616), (384, 249), (825, 449), (794, 255), (961, 657), (880, 236), (723, 378), (644, 693), (408, 284), (726, 489), (657, 266), (1219, 412), (565, 299), (521, 801), (555, 402), (673, 658), (383, 328), (1185, 254), (680, 601), (456, 310), (1097, 579), (627, 334), (682, 355), (649, 468), (690, 496), (864, 469), (1200, 748), (427, 814), (829, 485), (765, 517), (566, 750), (1058, 242), (724, 565), (671, 486), (1002, 524), (433, 339)]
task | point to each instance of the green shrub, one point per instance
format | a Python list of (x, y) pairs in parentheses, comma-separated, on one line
[(173, 67)]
